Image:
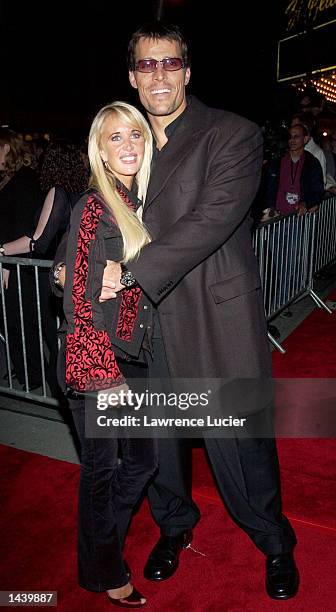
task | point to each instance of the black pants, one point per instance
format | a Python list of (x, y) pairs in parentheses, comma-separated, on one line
[(247, 475), (108, 493), (169, 493)]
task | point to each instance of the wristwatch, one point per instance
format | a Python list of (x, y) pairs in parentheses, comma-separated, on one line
[(127, 279), (56, 274), (2, 250)]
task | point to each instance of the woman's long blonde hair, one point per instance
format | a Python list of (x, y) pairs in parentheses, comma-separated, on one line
[(134, 233)]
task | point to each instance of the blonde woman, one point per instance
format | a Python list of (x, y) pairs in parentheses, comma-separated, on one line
[(104, 342)]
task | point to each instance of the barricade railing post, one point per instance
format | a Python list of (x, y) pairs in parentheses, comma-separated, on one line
[(39, 322), (320, 254), (19, 264), (272, 281), (23, 336), (4, 316)]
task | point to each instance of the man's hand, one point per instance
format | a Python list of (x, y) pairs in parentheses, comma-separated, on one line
[(111, 281), (301, 210), (269, 213)]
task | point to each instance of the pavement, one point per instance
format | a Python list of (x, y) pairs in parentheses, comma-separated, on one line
[(47, 430)]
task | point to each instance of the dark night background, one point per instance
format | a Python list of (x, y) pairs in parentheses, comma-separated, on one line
[(61, 61)]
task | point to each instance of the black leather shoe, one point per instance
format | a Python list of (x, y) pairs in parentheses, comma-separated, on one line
[(164, 559), (282, 576)]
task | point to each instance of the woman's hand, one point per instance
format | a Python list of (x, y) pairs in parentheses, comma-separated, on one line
[(121, 390), (111, 281)]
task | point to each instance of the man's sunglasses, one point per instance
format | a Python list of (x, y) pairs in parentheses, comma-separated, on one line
[(168, 63)]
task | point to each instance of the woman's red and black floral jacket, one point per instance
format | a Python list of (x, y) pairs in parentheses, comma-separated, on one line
[(97, 332)]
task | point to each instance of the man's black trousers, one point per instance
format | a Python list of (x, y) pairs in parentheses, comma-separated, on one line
[(247, 476)]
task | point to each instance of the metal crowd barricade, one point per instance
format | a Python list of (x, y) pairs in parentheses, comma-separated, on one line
[(43, 394), (290, 250), (281, 247), (325, 236)]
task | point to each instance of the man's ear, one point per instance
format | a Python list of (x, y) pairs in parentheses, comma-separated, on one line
[(132, 79), (6, 148), (187, 76)]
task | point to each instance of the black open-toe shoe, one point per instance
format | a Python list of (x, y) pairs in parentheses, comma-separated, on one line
[(134, 600)]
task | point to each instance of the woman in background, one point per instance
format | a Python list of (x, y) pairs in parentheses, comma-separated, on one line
[(63, 178), (20, 199)]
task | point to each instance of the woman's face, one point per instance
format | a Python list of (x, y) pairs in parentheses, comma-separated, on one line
[(122, 146), (4, 149)]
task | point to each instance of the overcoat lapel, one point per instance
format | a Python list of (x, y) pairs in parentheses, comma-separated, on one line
[(181, 142)]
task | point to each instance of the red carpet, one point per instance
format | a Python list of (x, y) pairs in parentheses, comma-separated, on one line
[(310, 349), (39, 520)]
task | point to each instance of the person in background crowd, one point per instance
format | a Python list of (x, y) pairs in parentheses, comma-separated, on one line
[(105, 225), (20, 199), (330, 153), (312, 102), (295, 183), (37, 147), (63, 178), (309, 122)]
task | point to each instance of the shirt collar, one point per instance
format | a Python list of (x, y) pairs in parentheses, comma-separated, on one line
[(171, 127), (132, 193)]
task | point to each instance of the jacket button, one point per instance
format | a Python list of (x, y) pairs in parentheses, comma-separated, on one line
[(141, 325), (145, 307)]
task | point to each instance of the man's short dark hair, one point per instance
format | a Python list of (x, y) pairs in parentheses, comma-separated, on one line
[(303, 127), (306, 119), (157, 31)]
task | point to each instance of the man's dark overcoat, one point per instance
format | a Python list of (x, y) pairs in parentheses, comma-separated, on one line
[(200, 270)]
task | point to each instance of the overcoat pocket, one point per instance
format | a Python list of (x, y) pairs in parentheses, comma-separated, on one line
[(234, 286)]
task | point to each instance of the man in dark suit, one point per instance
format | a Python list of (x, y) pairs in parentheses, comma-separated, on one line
[(202, 276)]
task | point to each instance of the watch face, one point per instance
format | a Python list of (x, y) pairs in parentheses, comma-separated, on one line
[(127, 279)]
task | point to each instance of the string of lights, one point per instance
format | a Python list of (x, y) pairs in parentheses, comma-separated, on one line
[(325, 85)]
